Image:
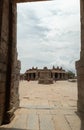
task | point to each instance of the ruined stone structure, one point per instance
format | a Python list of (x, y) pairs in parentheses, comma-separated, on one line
[(8, 66), (45, 76), (38, 74)]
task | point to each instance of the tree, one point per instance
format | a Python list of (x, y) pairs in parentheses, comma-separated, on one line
[(71, 75)]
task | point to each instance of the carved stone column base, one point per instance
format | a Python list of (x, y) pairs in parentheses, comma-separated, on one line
[(9, 116), (80, 106)]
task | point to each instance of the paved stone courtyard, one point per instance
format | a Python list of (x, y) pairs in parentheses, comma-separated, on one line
[(46, 107)]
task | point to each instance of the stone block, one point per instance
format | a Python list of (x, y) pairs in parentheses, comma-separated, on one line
[(4, 48), (61, 122), (82, 53), (5, 18), (33, 122), (21, 122), (2, 77), (80, 71), (46, 122), (74, 122), (2, 87), (1, 109), (1, 118), (80, 106), (3, 67), (3, 58), (2, 98), (45, 81), (45, 76)]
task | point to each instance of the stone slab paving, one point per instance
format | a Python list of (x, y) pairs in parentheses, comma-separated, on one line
[(60, 122), (33, 122), (46, 122), (20, 123), (46, 107), (73, 121)]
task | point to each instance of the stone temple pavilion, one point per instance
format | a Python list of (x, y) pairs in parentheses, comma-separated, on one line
[(54, 74)]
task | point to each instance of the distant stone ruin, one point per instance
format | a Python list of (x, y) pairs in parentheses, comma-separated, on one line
[(45, 75)]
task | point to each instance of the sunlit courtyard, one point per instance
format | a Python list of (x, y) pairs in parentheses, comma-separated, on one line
[(46, 107)]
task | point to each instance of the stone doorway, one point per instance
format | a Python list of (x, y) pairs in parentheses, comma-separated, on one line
[(8, 62)]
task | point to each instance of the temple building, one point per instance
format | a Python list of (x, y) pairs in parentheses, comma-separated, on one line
[(54, 73)]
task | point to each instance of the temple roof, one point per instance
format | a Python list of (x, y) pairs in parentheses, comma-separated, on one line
[(21, 1)]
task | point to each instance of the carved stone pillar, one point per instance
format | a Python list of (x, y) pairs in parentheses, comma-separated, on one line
[(62, 76), (36, 77), (65, 76), (28, 76), (58, 76), (31, 76), (80, 65), (53, 76)]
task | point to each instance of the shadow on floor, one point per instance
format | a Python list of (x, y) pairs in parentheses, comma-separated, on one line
[(81, 116), (82, 124)]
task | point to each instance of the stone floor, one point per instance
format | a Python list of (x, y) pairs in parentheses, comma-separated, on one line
[(46, 107)]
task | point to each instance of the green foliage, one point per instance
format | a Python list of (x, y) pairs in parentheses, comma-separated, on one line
[(71, 75)]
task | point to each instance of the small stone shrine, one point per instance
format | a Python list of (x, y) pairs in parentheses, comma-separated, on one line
[(45, 76)]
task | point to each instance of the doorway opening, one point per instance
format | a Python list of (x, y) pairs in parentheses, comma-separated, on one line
[(44, 99)]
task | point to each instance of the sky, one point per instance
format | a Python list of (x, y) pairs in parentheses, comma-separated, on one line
[(48, 34)]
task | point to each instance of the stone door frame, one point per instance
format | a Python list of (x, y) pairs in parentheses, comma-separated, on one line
[(8, 50)]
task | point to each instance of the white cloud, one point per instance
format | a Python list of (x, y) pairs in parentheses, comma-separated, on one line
[(49, 34)]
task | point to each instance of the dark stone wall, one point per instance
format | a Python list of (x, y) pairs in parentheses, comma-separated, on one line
[(4, 31), (9, 65), (80, 64)]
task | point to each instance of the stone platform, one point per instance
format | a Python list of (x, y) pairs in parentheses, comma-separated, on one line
[(45, 81)]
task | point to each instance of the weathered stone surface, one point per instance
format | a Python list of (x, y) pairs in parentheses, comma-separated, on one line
[(21, 122), (9, 68), (4, 21), (21, 1), (33, 122), (40, 117), (2, 97), (45, 76), (80, 64), (3, 77), (60, 122), (74, 122), (46, 122), (2, 87), (3, 67)]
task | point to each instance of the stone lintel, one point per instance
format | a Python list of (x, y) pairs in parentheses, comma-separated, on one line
[(21, 1)]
